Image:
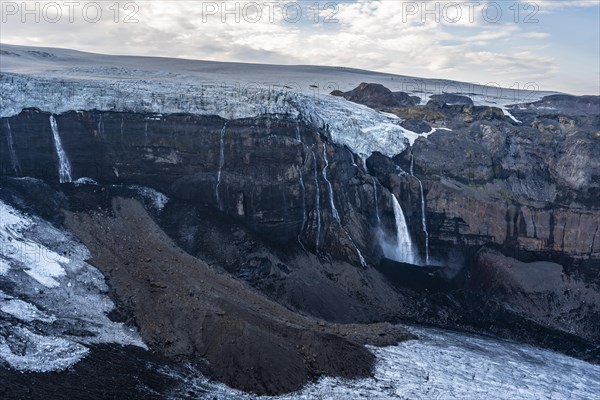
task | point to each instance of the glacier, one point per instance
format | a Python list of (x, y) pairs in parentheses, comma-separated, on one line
[(441, 364), (71, 80), (48, 295)]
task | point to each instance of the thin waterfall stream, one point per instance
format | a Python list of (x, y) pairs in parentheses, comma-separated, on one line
[(64, 167)]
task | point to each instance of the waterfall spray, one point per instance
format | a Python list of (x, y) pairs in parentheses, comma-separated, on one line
[(404, 245)]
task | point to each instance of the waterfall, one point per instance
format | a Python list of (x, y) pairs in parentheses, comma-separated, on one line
[(334, 210), (423, 216), (363, 263), (363, 160), (122, 124), (64, 168), (146, 134), (221, 162), (298, 131), (101, 126), (318, 201), (303, 188), (404, 249), (330, 188), (424, 223), (352, 158), (14, 161), (376, 200)]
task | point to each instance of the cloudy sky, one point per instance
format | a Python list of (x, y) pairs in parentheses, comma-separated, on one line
[(551, 44)]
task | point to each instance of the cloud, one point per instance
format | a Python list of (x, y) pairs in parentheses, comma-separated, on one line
[(388, 36)]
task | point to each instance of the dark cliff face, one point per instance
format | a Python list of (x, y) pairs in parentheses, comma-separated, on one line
[(247, 195), (486, 182), (530, 187), (275, 175)]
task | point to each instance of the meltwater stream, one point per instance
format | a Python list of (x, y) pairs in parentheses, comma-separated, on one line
[(14, 161), (334, 210), (424, 223), (221, 163), (442, 365), (64, 167), (376, 201), (423, 215), (317, 201)]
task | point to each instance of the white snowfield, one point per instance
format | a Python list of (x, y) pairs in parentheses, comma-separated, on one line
[(60, 80), (49, 295)]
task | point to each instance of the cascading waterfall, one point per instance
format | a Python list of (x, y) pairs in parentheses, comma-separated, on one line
[(423, 215), (303, 188), (64, 167), (404, 247), (363, 160), (221, 163), (334, 210), (298, 131), (424, 223), (14, 161), (101, 126), (330, 188), (376, 200), (146, 133), (317, 201)]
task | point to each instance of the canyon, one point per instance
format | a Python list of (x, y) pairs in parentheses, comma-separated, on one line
[(279, 244)]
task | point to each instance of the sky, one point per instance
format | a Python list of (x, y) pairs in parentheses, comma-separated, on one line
[(543, 44)]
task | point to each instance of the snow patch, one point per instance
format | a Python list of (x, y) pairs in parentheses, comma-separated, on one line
[(25, 311), (156, 199), (40, 353), (85, 181), (509, 115)]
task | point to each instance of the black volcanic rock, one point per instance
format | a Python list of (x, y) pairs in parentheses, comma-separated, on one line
[(566, 105), (452, 99), (416, 125), (376, 95), (521, 285)]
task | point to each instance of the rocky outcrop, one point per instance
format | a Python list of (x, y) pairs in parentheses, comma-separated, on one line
[(539, 290), (271, 201), (377, 96), (530, 187), (451, 99)]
